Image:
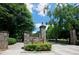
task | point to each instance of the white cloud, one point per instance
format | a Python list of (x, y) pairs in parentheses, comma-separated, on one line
[(39, 24), (34, 31), (37, 27), (30, 6), (40, 9)]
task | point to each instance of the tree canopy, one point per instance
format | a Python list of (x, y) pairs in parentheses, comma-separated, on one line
[(16, 19), (65, 17)]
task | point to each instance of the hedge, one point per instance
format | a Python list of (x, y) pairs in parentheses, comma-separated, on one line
[(11, 41)]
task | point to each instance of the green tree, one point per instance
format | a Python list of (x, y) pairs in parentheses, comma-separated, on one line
[(65, 16), (49, 32), (55, 30), (16, 19)]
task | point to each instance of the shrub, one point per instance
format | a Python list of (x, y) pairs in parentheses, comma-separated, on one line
[(30, 47), (11, 41), (38, 47)]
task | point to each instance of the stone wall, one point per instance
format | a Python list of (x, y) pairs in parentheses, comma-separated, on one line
[(42, 36), (31, 39)]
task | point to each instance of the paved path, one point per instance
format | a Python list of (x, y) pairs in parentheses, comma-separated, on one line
[(57, 49)]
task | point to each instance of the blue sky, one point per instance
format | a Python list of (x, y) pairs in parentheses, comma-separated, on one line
[(37, 13)]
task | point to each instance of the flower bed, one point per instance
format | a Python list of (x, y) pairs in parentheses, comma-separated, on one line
[(39, 46)]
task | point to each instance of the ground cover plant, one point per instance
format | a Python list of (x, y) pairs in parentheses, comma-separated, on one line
[(39, 46)]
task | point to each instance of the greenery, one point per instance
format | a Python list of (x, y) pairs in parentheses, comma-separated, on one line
[(64, 18), (49, 32), (11, 41), (38, 46), (53, 33), (16, 19)]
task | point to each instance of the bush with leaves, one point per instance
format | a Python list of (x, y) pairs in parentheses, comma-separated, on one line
[(11, 41), (16, 19), (38, 46)]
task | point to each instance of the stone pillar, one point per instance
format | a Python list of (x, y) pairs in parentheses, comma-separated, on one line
[(73, 37), (43, 32), (3, 40), (26, 38)]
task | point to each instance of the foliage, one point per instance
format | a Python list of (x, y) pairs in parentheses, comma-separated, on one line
[(11, 41), (63, 34), (66, 15), (16, 19), (49, 32), (64, 18), (38, 46), (53, 33)]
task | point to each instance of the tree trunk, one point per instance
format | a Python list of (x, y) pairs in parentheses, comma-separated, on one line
[(73, 37)]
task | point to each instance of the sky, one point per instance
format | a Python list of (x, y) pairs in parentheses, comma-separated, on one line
[(37, 13)]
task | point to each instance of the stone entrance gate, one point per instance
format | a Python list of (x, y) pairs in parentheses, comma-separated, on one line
[(42, 36)]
